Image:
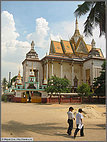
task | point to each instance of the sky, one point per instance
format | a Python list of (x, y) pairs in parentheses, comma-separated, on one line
[(24, 21)]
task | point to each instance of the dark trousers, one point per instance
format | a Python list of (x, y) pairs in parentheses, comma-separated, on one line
[(81, 131), (70, 122)]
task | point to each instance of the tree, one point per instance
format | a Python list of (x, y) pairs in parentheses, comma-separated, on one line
[(13, 79), (96, 16), (4, 83), (84, 90), (58, 85), (99, 82)]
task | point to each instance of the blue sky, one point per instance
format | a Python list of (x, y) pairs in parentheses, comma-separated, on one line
[(26, 12), (24, 21)]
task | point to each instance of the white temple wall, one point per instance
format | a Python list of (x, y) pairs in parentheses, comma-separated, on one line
[(78, 73), (36, 66), (97, 67), (57, 69), (67, 70)]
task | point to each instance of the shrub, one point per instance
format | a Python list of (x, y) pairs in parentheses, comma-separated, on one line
[(4, 98)]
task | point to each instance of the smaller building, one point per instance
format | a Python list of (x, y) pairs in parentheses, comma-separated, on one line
[(29, 91)]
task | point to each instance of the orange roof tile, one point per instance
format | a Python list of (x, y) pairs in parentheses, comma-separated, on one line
[(67, 46), (57, 47)]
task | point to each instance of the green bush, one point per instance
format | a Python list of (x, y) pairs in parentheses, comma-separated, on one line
[(4, 98)]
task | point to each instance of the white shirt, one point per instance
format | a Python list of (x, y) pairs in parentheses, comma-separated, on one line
[(70, 115), (79, 116)]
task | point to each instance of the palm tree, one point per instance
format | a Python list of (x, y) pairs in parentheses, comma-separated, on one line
[(96, 16)]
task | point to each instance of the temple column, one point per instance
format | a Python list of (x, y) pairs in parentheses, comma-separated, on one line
[(81, 74), (52, 68), (38, 79), (47, 70), (61, 70), (72, 74)]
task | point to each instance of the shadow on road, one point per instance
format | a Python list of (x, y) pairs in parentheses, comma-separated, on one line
[(42, 128), (52, 129)]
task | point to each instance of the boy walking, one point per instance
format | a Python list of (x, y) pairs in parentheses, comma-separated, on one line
[(70, 120), (79, 118)]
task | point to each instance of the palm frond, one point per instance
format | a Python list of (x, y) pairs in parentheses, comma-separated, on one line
[(83, 9), (96, 17)]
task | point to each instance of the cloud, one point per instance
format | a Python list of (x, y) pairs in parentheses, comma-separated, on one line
[(40, 34), (12, 50)]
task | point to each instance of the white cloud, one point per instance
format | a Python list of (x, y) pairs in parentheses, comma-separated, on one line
[(11, 49), (40, 34)]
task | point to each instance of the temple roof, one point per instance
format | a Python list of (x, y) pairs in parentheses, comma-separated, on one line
[(76, 47)]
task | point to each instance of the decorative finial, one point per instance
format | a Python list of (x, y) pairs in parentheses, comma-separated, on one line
[(76, 24), (19, 76), (32, 45), (93, 43)]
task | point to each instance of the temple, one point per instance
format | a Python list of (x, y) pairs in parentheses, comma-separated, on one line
[(73, 59)]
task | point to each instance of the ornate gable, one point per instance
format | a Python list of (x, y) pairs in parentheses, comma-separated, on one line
[(81, 46)]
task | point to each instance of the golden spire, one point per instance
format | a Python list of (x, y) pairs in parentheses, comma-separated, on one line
[(19, 81), (76, 24), (76, 33), (19, 76)]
